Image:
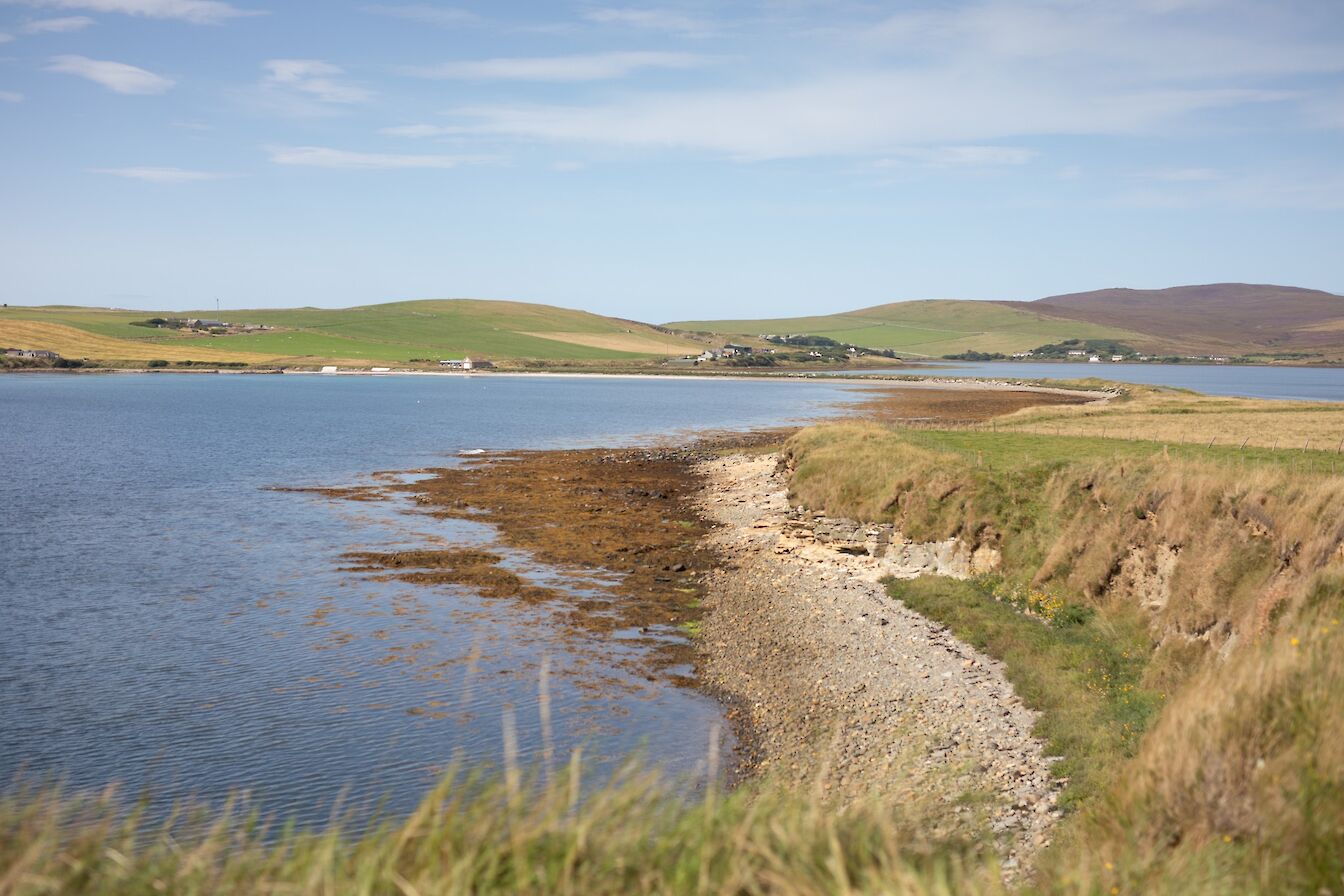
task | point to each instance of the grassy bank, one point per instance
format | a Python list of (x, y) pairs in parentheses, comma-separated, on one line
[(1175, 615)]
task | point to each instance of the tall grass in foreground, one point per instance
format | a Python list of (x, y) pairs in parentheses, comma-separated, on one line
[(474, 836)]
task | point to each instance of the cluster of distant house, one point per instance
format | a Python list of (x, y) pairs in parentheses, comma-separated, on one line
[(31, 353), (1092, 358), (731, 350), (1095, 358), (202, 323)]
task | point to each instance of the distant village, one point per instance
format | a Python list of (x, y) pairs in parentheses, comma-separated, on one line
[(1090, 351), (206, 325), (797, 348)]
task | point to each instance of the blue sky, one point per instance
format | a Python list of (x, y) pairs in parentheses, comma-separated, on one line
[(664, 161)]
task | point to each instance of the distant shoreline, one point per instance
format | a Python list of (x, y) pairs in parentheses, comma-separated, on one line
[(875, 380)]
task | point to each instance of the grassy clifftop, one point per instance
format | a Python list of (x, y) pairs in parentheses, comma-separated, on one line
[(1174, 613)]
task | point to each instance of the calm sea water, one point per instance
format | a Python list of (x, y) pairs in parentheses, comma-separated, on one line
[(1303, 383), (172, 624)]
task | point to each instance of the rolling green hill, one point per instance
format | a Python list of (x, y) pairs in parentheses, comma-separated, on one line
[(389, 333), (930, 328)]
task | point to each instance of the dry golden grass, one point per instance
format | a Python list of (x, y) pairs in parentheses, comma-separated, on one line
[(1236, 573), (1166, 416), (641, 343), (70, 342)]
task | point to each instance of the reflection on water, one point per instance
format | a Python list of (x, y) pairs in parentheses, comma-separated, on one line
[(173, 623)]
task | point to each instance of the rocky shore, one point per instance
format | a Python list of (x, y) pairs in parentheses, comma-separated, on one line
[(836, 686)]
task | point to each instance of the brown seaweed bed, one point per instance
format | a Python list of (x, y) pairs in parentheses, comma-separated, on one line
[(621, 525)]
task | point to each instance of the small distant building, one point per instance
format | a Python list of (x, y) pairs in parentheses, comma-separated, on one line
[(467, 364), (732, 349), (1117, 357), (36, 353), (1095, 359), (329, 369), (1076, 354), (709, 356), (201, 323)]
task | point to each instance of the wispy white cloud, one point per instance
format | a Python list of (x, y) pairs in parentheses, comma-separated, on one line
[(326, 157), (957, 156), (425, 13), (162, 175), (58, 25), (662, 20), (115, 76), (5, 38), (587, 67), (10, 96), (419, 131), (962, 74), (871, 112), (1115, 39), (313, 78), (198, 12)]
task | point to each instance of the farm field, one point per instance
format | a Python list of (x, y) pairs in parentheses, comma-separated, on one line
[(1216, 424), (74, 342), (928, 329), (394, 333)]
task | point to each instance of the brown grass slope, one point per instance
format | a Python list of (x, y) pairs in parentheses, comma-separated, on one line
[(1237, 575), (1232, 318)]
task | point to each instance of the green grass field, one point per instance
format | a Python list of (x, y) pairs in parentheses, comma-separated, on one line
[(924, 329), (394, 332)]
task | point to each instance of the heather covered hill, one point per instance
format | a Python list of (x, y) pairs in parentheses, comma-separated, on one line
[(1226, 318)]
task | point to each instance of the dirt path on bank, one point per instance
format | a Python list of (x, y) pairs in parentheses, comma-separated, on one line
[(839, 687)]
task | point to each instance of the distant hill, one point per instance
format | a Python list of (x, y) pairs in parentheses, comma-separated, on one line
[(1220, 318), (927, 329), (389, 333)]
